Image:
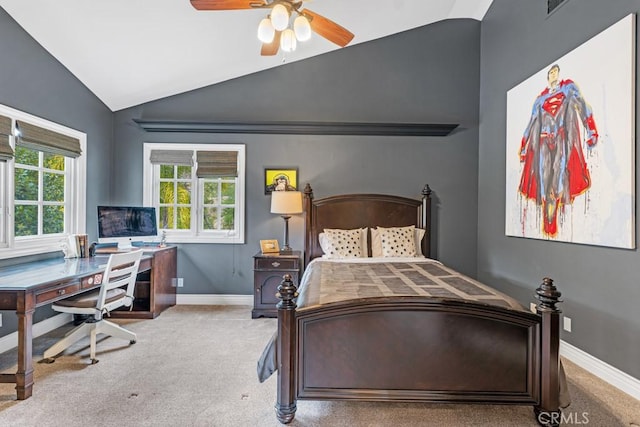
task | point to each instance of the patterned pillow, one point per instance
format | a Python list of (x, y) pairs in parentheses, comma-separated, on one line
[(364, 238), (343, 243), (398, 241), (376, 245)]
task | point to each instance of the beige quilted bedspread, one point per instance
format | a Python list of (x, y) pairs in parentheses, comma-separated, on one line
[(327, 281)]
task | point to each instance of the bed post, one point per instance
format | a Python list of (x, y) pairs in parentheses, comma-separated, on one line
[(426, 220), (285, 350), (548, 410), (308, 232)]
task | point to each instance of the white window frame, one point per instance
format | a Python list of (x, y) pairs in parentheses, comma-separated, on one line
[(196, 234), (75, 187)]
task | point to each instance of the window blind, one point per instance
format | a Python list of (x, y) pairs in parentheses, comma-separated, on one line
[(37, 138), (171, 157), (216, 164), (6, 152)]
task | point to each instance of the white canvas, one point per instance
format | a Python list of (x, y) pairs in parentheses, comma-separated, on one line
[(603, 70)]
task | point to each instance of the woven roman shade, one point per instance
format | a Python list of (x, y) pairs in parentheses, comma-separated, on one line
[(171, 157), (6, 152), (216, 164), (37, 138)]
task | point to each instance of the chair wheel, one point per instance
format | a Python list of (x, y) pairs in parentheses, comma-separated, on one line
[(48, 360), (94, 361), (132, 342)]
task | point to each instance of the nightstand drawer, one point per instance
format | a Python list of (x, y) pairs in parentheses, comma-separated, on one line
[(277, 264)]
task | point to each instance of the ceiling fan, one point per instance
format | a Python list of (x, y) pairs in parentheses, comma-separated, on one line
[(274, 31)]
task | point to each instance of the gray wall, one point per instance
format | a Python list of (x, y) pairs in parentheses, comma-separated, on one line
[(599, 285), (33, 81), (428, 75), (431, 74)]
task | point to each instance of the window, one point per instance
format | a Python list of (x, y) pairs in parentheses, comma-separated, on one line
[(197, 190), (42, 184), (39, 193)]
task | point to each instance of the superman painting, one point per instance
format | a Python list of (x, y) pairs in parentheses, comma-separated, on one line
[(555, 170), (570, 172)]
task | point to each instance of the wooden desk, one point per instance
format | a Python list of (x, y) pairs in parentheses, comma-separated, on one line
[(155, 288), (24, 287)]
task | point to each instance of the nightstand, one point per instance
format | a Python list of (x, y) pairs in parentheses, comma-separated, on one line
[(268, 270)]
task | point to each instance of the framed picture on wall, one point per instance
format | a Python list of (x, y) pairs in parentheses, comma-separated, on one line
[(571, 138), (280, 179)]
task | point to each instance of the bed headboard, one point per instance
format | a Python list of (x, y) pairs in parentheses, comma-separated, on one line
[(349, 211)]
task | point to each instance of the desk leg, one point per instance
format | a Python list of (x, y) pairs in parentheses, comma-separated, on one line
[(24, 375)]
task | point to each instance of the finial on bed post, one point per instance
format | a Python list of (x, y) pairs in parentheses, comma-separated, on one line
[(308, 191), (426, 191), (426, 220), (308, 237), (548, 297), (285, 347)]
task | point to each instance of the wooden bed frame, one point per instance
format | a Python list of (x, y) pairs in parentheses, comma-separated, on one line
[(411, 349)]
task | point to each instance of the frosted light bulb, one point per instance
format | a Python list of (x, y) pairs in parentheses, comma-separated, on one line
[(302, 28), (266, 32), (279, 17), (288, 40)]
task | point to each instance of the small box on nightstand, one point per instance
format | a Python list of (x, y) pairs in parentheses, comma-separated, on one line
[(268, 270)]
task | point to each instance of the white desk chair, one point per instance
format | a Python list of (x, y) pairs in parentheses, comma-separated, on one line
[(121, 271)]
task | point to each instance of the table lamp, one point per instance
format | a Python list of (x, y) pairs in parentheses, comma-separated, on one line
[(286, 203)]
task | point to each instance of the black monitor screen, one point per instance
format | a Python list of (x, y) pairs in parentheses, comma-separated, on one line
[(126, 221)]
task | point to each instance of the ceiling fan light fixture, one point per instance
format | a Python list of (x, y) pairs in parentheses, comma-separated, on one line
[(279, 17), (266, 32), (288, 40), (302, 28)]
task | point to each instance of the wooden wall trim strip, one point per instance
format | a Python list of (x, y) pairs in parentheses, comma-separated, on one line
[(300, 128)]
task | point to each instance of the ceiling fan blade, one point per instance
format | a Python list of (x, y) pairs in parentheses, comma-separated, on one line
[(226, 4), (328, 29), (270, 49)]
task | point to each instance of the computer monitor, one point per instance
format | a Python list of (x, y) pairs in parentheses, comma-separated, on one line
[(126, 225)]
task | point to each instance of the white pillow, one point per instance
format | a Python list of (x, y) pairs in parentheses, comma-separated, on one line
[(398, 241), (337, 243), (376, 244)]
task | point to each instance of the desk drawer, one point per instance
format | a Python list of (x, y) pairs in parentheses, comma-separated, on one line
[(277, 264), (58, 293)]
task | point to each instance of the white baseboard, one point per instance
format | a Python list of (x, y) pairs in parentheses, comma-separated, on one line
[(191, 299), (602, 370), (47, 325)]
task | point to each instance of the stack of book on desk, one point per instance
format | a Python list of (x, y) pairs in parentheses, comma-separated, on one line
[(76, 246)]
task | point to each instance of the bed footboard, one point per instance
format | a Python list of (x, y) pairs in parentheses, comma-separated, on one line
[(418, 349)]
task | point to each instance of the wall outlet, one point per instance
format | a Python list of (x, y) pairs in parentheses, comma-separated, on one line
[(532, 307), (180, 282), (177, 282), (566, 323), (0, 320)]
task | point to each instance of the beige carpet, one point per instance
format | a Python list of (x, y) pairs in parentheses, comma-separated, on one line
[(196, 366)]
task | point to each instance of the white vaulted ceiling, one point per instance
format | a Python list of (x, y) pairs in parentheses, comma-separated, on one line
[(128, 52)]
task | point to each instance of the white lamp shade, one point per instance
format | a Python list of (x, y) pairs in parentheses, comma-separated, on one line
[(302, 28), (266, 32), (286, 202), (279, 17), (288, 40)]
